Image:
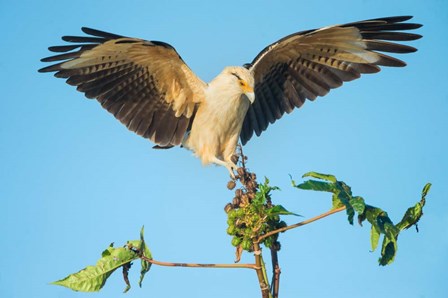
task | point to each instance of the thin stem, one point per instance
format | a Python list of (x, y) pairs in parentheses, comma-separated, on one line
[(261, 272), (302, 223), (193, 265), (275, 284)]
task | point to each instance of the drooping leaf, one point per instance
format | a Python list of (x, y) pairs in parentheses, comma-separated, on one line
[(93, 278), (388, 251), (147, 253), (379, 219), (126, 268), (358, 204), (374, 237)]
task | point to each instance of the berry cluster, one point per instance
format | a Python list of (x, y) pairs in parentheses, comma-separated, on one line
[(251, 213)]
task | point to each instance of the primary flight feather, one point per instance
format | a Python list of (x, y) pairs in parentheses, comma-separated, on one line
[(149, 88)]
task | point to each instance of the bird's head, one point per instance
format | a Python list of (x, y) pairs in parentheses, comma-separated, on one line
[(243, 78)]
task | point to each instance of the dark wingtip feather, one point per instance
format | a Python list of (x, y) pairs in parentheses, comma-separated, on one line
[(61, 49), (50, 68), (99, 33)]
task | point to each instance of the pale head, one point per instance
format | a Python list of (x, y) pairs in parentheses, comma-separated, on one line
[(237, 80)]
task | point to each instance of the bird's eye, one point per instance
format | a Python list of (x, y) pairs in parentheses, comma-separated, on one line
[(237, 76)]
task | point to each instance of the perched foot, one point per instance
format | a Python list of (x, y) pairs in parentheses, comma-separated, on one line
[(230, 166)]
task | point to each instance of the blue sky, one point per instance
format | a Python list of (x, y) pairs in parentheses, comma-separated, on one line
[(73, 179)]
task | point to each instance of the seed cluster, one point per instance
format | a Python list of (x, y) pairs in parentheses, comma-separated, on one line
[(249, 213)]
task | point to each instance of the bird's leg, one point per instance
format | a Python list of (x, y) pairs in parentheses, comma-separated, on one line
[(230, 166)]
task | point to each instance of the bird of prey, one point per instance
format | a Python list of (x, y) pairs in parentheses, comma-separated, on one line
[(149, 88)]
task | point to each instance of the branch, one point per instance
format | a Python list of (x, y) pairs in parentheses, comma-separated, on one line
[(302, 223), (193, 265)]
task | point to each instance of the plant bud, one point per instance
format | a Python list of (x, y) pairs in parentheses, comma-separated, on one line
[(231, 230), (236, 240), (246, 244)]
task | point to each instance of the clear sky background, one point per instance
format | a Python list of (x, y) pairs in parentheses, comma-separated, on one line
[(73, 179)]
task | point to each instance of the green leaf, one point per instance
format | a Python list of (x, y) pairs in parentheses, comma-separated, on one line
[(93, 278), (351, 213), (316, 186), (147, 253), (413, 214), (358, 204), (336, 202), (374, 237), (108, 250), (425, 190), (325, 177), (388, 251), (279, 210)]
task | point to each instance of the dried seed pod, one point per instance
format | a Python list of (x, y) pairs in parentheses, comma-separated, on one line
[(238, 193), (251, 185), (241, 171), (228, 207), (253, 176), (236, 202), (231, 184), (234, 158)]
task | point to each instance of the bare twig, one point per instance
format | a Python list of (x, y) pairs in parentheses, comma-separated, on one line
[(194, 265), (302, 223)]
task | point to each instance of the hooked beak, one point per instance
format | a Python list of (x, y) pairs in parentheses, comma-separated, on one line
[(249, 92), (250, 96)]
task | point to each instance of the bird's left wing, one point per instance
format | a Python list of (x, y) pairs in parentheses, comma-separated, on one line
[(308, 64), (145, 84)]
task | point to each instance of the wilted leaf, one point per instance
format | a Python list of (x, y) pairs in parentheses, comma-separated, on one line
[(358, 204), (147, 253), (380, 221), (388, 251)]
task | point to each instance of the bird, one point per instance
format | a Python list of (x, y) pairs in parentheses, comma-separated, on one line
[(149, 88)]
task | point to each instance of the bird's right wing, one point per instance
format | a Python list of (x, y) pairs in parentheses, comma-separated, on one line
[(144, 84)]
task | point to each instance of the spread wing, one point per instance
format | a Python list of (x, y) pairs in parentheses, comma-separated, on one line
[(144, 84), (308, 64)]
